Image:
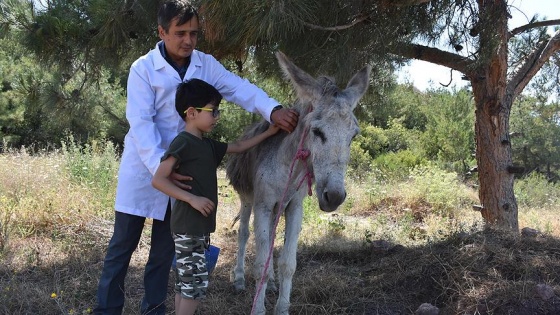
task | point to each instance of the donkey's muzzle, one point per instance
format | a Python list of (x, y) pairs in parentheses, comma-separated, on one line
[(330, 200)]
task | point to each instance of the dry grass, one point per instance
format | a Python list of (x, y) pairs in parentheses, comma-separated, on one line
[(385, 251)]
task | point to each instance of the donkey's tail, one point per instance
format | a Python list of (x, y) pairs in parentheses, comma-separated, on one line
[(235, 220)]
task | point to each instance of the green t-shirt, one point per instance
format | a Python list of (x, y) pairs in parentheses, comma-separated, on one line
[(198, 158)]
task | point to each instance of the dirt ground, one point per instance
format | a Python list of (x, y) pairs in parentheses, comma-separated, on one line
[(486, 272)]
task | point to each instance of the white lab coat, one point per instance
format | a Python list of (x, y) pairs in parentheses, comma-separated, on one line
[(154, 122)]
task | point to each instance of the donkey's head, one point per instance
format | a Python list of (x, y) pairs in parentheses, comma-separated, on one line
[(331, 124)]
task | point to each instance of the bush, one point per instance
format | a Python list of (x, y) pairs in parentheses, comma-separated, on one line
[(397, 165), (534, 190), (441, 189), (360, 161)]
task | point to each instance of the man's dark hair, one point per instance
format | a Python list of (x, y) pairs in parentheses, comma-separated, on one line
[(183, 10), (195, 93)]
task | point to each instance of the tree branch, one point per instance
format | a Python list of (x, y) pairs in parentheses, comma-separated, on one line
[(400, 3), (435, 56), (530, 26), (356, 20), (384, 4), (533, 63)]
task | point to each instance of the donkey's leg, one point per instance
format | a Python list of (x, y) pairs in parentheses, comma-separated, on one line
[(287, 260), (238, 273), (271, 282), (262, 230)]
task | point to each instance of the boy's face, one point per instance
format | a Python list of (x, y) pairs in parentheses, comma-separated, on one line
[(181, 40), (206, 118)]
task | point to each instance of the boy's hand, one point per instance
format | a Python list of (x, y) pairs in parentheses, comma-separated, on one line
[(202, 204)]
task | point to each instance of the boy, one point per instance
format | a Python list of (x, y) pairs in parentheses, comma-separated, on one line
[(194, 214)]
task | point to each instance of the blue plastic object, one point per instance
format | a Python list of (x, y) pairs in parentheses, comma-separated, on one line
[(212, 254)]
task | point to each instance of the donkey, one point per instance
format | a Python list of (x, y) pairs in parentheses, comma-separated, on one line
[(260, 176)]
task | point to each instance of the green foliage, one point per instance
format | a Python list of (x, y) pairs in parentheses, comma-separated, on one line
[(535, 190), (234, 119), (436, 126), (39, 105), (89, 36), (404, 103), (20, 78), (360, 161), (441, 189), (298, 28), (536, 136), (376, 141), (449, 135), (93, 163), (394, 166)]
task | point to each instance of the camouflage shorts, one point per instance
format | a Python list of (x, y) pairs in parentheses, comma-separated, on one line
[(192, 276)]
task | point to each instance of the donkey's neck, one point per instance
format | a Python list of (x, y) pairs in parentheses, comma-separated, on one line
[(297, 140)]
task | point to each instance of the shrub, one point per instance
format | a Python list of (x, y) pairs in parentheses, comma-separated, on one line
[(442, 190), (360, 161), (534, 190), (397, 165)]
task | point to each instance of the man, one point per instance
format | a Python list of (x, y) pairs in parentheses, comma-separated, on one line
[(150, 111)]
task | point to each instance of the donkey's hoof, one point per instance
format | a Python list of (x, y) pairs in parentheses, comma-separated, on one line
[(239, 286), (271, 287), (282, 309)]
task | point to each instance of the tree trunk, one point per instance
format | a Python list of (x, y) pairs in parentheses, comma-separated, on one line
[(493, 155), (493, 105)]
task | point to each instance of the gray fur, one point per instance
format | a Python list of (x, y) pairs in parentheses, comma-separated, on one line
[(261, 175)]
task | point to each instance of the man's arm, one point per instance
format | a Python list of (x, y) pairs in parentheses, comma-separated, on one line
[(247, 95)]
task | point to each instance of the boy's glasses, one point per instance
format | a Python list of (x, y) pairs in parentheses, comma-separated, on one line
[(215, 111)]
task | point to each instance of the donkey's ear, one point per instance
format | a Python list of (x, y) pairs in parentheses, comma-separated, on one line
[(357, 86), (306, 86)]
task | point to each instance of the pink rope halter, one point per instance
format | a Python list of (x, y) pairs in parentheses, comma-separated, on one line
[(302, 155)]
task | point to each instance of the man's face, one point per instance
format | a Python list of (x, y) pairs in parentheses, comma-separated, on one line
[(181, 40)]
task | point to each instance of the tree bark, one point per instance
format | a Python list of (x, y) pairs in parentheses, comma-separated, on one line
[(493, 105), (493, 156)]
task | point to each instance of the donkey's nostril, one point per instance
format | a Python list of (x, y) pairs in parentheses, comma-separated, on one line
[(334, 198)]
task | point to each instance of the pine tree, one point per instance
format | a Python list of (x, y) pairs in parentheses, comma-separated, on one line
[(341, 35)]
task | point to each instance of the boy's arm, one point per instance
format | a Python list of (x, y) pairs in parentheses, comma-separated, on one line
[(243, 145), (163, 182)]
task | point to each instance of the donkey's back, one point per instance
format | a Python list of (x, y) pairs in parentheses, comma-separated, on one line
[(241, 168)]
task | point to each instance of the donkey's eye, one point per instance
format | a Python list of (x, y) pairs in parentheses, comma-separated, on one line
[(318, 133)]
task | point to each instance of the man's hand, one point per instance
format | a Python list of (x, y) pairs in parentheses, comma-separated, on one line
[(285, 118), (178, 180)]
